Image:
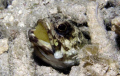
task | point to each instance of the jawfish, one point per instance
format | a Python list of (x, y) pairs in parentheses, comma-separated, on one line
[(57, 40)]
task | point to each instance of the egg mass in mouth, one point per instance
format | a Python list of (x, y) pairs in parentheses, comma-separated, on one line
[(57, 41)]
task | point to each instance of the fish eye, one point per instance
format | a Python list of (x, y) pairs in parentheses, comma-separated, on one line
[(64, 28)]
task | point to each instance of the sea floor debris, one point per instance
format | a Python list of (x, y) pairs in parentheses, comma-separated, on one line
[(101, 18)]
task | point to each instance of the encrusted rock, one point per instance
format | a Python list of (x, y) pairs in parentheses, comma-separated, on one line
[(21, 15), (3, 45)]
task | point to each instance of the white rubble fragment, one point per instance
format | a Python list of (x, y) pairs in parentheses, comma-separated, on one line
[(109, 13), (47, 71), (3, 45), (97, 28), (96, 64), (116, 21), (4, 65), (53, 10), (102, 3), (7, 17), (14, 2), (20, 12), (10, 7), (77, 12), (104, 70), (21, 24), (113, 70), (74, 71), (100, 68), (112, 37), (118, 2), (47, 1), (11, 18), (20, 57)]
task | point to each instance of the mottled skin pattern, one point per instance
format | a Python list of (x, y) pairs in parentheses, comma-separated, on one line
[(65, 41)]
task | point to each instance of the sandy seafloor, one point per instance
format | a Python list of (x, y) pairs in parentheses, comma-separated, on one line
[(103, 20)]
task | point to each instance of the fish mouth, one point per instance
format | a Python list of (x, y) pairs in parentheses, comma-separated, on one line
[(39, 43), (39, 37), (44, 51)]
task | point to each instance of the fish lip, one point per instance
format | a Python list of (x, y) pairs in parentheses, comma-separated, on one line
[(31, 36)]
